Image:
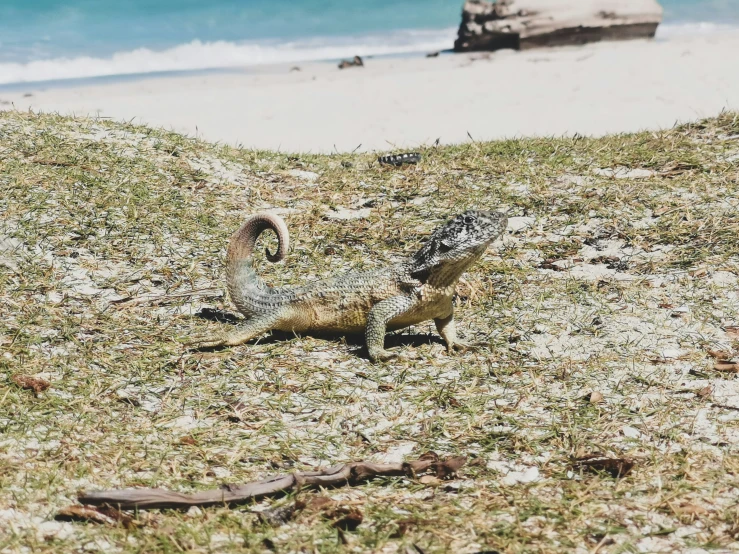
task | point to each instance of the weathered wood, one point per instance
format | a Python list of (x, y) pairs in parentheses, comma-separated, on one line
[(523, 24), (335, 476)]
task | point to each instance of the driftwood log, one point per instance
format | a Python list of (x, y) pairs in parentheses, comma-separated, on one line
[(522, 24), (335, 476)]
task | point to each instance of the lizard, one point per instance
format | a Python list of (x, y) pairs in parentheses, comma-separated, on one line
[(370, 302), (400, 159)]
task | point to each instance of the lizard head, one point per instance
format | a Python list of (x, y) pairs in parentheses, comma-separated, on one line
[(459, 242)]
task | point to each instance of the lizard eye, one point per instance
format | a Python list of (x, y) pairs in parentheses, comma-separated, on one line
[(469, 219)]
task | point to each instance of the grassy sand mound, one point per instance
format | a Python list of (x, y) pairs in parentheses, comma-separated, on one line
[(610, 310)]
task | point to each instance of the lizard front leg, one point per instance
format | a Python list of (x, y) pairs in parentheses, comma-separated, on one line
[(244, 332), (377, 320), (448, 331)]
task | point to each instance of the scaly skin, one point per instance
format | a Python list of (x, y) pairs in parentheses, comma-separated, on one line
[(372, 302)]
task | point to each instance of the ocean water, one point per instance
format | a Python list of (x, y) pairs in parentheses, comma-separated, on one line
[(42, 40)]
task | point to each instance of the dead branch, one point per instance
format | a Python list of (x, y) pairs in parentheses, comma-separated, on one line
[(335, 476)]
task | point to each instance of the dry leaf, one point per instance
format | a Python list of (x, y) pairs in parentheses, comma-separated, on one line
[(442, 468), (83, 513), (596, 397), (617, 467), (346, 519), (676, 168), (720, 354), (429, 456), (105, 515), (27, 382), (449, 467), (187, 440), (692, 509), (705, 392), (404, 526), (689, 509), (550, 263), (732, 331), (454, 403), (385, 387), (430, 480), (732, 367), (666, 305), (318, 503), (275, 517)]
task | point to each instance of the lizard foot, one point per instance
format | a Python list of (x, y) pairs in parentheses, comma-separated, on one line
[(242, 334), (383, 356), (463, 347), (203, 341)]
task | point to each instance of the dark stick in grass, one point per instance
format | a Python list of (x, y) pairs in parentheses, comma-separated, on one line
[(335, 476)]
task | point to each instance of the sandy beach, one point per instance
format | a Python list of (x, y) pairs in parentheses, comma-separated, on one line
[(405, 102)]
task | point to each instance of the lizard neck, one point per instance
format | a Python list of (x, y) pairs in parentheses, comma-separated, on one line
[(441, 273)]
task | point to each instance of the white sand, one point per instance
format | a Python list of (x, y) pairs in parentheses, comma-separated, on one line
[(401, 103)]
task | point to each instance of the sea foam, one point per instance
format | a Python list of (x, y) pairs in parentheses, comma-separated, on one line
[(197, 55)]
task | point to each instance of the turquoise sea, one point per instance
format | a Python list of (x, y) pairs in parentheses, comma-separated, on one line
[(43, 40)]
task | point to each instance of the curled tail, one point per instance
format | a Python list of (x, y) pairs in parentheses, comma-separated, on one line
[(248, 291)]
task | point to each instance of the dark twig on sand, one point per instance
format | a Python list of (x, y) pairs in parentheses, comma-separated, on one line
[(335, 476)]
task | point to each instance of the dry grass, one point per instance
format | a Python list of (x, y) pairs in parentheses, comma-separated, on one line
[(617, 285)]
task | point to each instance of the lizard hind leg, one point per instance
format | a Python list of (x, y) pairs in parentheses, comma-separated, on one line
[(243, 333)]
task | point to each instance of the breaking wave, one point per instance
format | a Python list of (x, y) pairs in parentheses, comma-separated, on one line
[(197, 55)]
